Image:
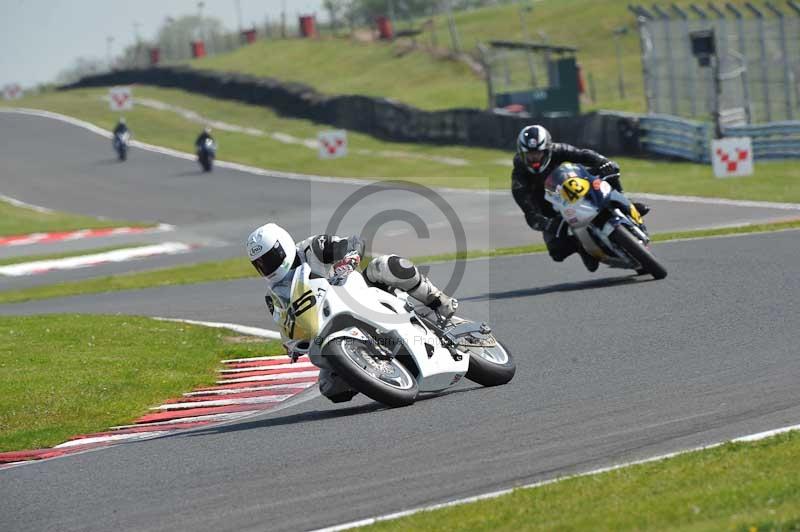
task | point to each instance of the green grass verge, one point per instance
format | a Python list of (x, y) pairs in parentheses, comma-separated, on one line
[(486, 169), (64, 375), (22, 221), (737, 486), (342, 66), (240, 268), (52, 256)]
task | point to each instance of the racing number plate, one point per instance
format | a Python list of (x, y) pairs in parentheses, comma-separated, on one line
[(574, 189)]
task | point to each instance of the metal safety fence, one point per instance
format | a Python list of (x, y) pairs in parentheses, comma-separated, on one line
[(758, 46)]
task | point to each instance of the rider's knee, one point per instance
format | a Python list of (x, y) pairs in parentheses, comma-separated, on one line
[(394, 271)]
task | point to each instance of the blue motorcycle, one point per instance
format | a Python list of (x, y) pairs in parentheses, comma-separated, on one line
[(604, 221)]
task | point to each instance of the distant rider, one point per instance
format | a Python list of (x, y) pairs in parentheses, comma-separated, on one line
[(201, 139), (537, 156), (121, 128), (275, 256)]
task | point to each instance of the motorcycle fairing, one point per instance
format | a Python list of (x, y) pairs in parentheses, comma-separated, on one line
[(381, 317)]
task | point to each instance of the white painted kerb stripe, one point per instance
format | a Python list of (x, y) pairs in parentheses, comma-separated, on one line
[(500, 493), (83, 261), (268, 368), (231, 391), (193, 419), (277, 376), (259, 359)]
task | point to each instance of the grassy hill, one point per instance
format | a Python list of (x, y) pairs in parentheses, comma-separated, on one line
[(344, 66)]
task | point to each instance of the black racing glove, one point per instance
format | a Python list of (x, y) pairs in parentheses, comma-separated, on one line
[(608, 169), (536, 221)]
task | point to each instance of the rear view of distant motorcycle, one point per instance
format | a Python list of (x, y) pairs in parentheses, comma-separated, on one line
[(121, 139), (206, 150), (121, 142)]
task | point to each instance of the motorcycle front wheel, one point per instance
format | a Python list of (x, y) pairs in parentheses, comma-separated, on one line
[(489, 365), (638, 251), (364, 367)]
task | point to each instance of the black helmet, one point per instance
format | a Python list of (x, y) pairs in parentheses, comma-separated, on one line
[(534, 148)]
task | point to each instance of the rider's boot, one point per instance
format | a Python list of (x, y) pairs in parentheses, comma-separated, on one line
[(434, 298), (590, 262), (643, 208)]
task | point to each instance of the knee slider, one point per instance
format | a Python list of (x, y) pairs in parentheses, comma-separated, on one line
[(393, 271)]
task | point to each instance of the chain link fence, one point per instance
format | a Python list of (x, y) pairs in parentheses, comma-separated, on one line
[(759, 57)]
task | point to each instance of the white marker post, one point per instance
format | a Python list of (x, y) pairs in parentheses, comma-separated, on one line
[(732, 157), (332, 144), (120, 98), (12, 91)]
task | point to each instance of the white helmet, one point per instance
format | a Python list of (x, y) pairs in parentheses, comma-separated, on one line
[(272, 251)]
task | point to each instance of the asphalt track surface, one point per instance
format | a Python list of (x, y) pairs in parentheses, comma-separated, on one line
[(58, 165), (611, 368)]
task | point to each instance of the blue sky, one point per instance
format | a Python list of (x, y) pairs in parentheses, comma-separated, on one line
[(38, 38)]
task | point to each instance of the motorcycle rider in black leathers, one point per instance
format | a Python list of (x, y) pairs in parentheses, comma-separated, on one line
[(537, 156), (121, 127), (201, 139)]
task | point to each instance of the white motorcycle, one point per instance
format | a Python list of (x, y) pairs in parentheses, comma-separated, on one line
[(605, 222), (384, 346)]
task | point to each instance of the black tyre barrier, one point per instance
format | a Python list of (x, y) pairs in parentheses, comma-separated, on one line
[(607, 132)]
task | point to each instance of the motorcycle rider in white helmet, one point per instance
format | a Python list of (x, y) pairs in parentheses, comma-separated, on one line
[(274, 254)]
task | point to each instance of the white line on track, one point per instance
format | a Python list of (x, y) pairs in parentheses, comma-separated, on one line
[(18, 203), (500, 493), (223, 402), (243, 329), (111, 438), (94, 259), (716, 201), (361, 182), (194, 419)]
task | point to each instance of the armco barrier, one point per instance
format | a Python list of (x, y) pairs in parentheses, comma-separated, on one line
[(675, 137), (777, 140), (609, 133), (686, 139)]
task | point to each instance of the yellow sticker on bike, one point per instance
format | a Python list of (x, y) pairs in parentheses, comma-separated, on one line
[(574, 189)]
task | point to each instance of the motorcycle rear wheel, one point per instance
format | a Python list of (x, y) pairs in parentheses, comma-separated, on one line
[(623, 237), (366, 369)]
